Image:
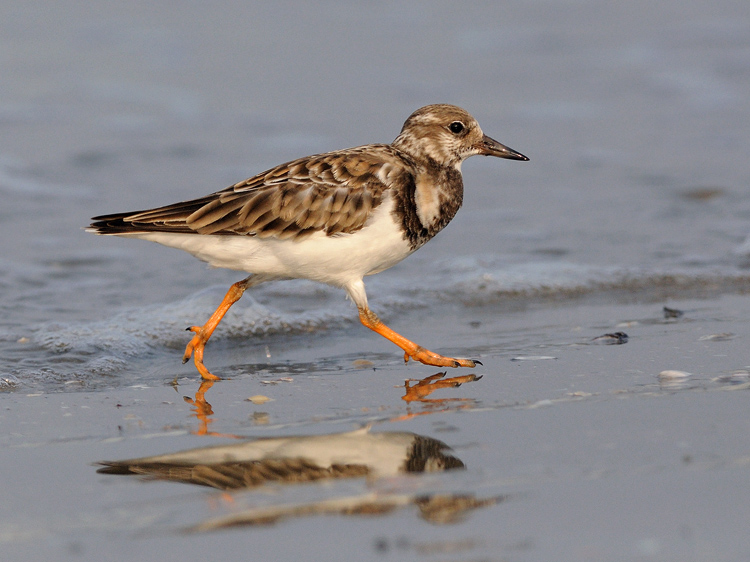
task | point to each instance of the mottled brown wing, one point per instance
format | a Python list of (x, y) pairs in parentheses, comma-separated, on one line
[(334, 192)]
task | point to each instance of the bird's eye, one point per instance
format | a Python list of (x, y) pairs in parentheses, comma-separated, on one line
[(456, 127)]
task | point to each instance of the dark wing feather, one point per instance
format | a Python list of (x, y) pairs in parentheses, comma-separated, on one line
[(334, 192)]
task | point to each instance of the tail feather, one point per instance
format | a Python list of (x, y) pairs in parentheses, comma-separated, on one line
[(172, 218)]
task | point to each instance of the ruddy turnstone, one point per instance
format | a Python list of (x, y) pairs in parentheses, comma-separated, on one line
[(332, 217)]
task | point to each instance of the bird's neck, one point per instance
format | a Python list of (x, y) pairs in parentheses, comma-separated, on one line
[(427, 201)]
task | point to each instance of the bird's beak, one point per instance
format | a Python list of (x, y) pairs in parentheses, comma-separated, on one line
[(490, 147)]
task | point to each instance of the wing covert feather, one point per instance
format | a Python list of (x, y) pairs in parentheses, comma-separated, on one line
[(334, 192)]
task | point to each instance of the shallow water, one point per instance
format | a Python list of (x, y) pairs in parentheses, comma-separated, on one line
[(635, 118)]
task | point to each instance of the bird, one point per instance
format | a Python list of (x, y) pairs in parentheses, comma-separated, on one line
[(332, 218)]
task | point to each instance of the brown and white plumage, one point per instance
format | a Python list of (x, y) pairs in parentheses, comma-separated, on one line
[(333, 217), (334, 192)]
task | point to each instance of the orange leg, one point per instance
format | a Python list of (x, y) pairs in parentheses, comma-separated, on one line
[(198, 343), (411, 349)]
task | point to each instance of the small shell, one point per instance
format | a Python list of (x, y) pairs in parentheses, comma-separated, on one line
[(617, 338), (672, 312), (259, 399), (672, 374), (725, 336)]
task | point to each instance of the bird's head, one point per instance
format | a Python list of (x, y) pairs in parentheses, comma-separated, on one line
[(448, 135)]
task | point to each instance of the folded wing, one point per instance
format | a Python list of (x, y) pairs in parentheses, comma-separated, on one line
[(334, 192)]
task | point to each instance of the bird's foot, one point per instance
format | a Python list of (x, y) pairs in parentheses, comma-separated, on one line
[(427, 357), (411, 349), (195, 349)]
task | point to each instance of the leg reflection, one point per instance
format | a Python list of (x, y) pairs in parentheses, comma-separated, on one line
[(426, 386)]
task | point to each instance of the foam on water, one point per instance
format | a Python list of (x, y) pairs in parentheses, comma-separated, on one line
[(96, 352)]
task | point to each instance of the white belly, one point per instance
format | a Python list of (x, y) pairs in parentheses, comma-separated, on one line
[(336, 260)]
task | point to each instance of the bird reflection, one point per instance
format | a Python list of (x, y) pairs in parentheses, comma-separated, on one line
[(282, 461), (295, 459), (416, 390), (203, 410), (438, 509)]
